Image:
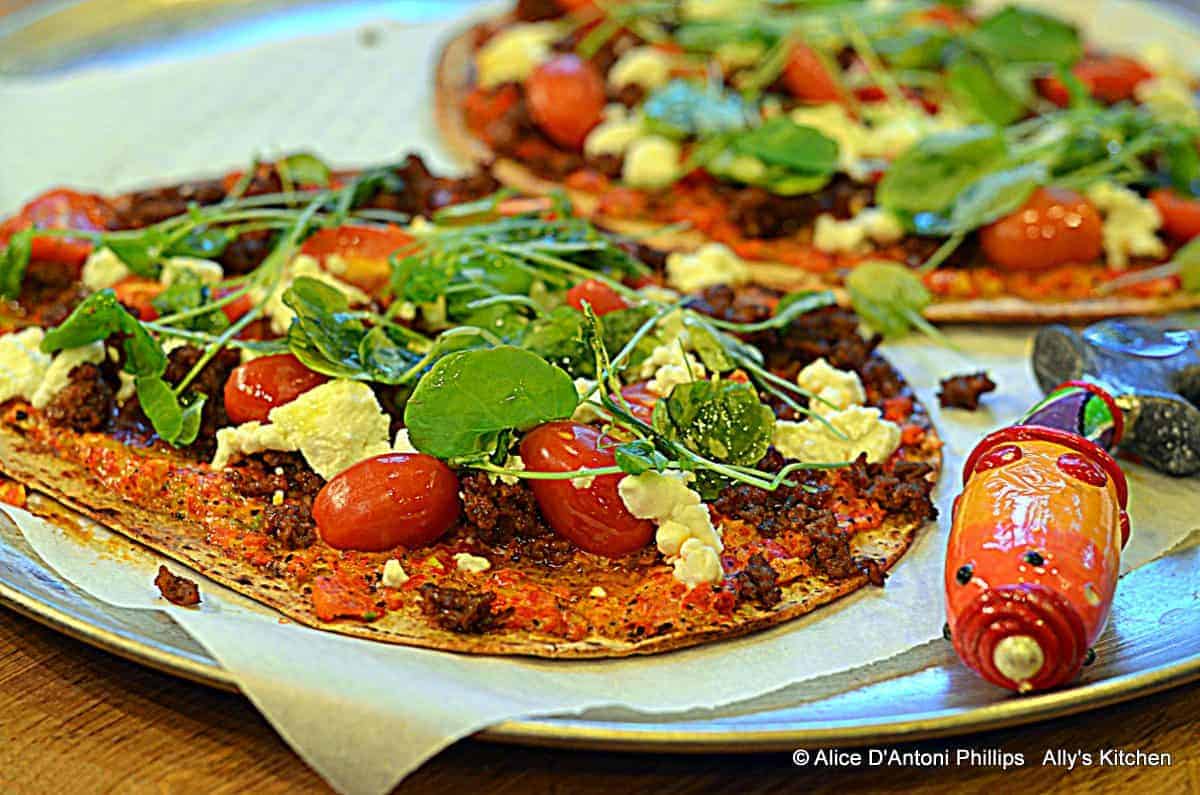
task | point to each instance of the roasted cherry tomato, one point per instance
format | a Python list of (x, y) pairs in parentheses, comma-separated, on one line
[(566, 99), (259, 385), (62, 209), (363, 252), (1180, 214), (1054, 227), (1108, 78), (594, 517), (641, 400), (395, 499), (238, 306), (807, 77), (603, 298), (137, 292)]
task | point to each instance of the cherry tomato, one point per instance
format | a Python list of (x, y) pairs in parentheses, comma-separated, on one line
[(593, 518), (62, 209), (238, 306), (574, 5), (808, 78), (1054, 227), (1181, 215), (259, 385), (364, 251), (641, 400), (603, 298), (136, 293), (1108, 78), (395, 499), (566, 99), (947, 16)]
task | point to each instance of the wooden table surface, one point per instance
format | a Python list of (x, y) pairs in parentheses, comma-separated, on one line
[(77, 720)]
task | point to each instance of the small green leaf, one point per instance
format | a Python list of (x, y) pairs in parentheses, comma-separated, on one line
[(203, 242), (639, 456), (304, 168), (930, 176), (142, 253), (558, 338), (186, 293), (887, 295), (710, 350), (13, 262), (721, 420), (1022, 34), (977, 86), (1188, 260), (96, 318), (782, 142)]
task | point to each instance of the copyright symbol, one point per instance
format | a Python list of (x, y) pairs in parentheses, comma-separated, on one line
[(800, 757)]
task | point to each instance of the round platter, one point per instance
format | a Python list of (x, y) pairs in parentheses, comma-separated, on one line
[(1152, 643)]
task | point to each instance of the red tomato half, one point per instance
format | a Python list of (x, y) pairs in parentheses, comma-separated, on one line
[(807, 77), (566, 99), (395, 499), (259, 385), (594, 518), (137, 292), (1054, 227), (1181, 215), (1108, 78), (62, 209), (364, 251), (641, 400), (603, 298)]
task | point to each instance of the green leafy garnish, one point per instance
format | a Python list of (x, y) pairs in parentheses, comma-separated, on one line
[(782, 142), (190, 298), (889, 298), (639, 456), (303, 168), (977, 85), (931, 175), (471, 400), (14, 259), (722, 420), (1022, 34)]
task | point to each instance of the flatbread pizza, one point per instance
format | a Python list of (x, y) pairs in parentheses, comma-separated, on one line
[(407, 408)]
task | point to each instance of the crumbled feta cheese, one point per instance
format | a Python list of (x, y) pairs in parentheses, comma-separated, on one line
[(1170, 99), (405, 310), (813, 442), (646, 67), (842, 388), (853, 235), (712, 264), (614, 135), (336, 264), (733, 55), (205, 270), (304, 265), (652, 162), (57, 376), (277, 497), (403, 444), (588, 410), (472, 564), (394, 574), (833, 121), (1130, 224), (22, 363), (892, 130), (1159, 59), (102, 270), (685, 528), (663, 295), (713, 9), (512, 462), (583, 482), (512, 54), (669, 364), (127, 388), (597, 592), (334, 426)]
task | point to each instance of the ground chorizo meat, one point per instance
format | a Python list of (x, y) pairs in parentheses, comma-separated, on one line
[(964, 391), (419, 192), (758, 582), (762, 214), (290, 524), (211, 383), (86, 403), (505, 516), (177, 590), (537, 10), (460, 610), (247, 252), (905, 490), (260, 475), (146, 207), (515, 135)]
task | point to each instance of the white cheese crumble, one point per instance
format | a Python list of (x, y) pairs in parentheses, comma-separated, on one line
[(597, 592), (57, 376), (334, 426), (652, 162), (614, 134), (893, 129), (304, 265), (512, 54), (583, 481), (394, 574), (842, 388), (588, 411), (207, 271), (1130, 224), (647, 67), (403, 444), (471, 564), (733, 55), (712, 264), (22, 363), (512, 462), (1170, 99), (855, 234), (813, 442), (102, 270), (686, 536), (1160, 60), (712, 9)]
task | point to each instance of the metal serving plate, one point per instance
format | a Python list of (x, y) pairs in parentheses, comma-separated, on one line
[(1153, 640), (1152, 643)]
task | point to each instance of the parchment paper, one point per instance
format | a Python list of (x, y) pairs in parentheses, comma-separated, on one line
[(364, 715)]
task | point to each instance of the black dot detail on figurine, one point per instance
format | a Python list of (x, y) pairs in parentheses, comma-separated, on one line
[(1034, 558), (1089, 658), (946, 631), (964, 573)]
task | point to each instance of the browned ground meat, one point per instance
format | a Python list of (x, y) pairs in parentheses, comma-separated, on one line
[(86, 403), (460, 610), (788, 508), (146, 207), (760, 213), (905, 490), (537, 10), (758, 582), (963, 391), (423, 193), (515, 128), (630, 95), (247, 252), (177, 590), (261, 475), (505, 517), (290, 524), (210, 382)]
